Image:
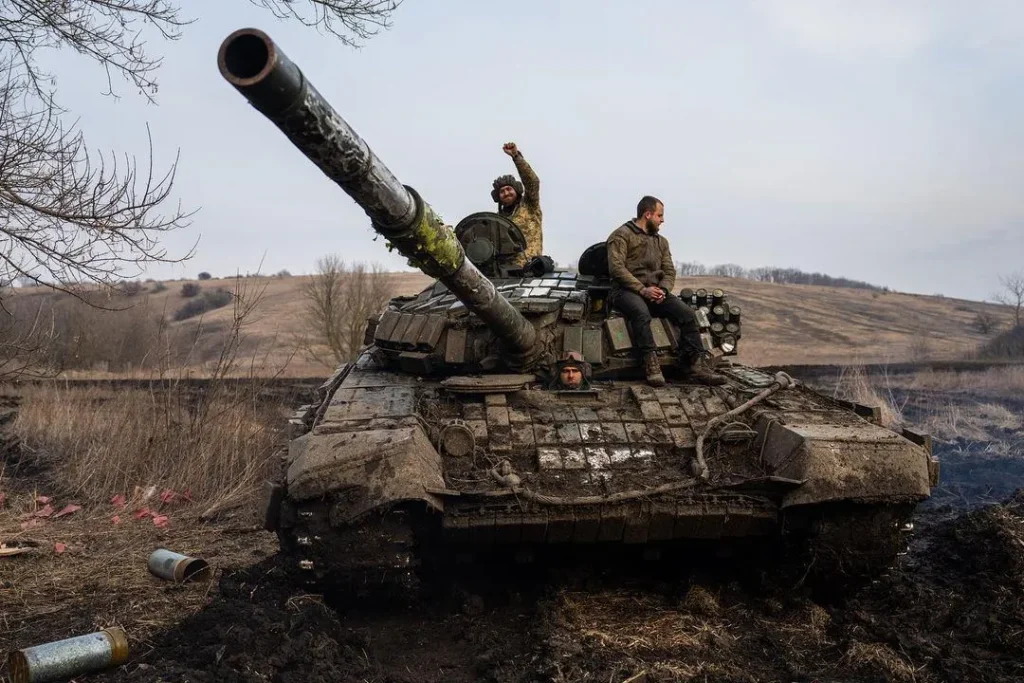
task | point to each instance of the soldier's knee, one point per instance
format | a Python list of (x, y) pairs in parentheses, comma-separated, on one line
[(641, 315)]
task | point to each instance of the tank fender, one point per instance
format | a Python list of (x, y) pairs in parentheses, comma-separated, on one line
[(859, 462), (365, 470)]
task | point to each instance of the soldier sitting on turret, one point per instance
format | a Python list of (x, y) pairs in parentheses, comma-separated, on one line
[(640, 263), (520, 201)]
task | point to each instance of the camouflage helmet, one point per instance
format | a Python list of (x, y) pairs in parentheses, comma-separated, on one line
[(502, 181)]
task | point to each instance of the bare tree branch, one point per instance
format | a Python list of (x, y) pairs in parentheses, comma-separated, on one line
[(64, 219), (342, 18), (105, 31), (68, 216)]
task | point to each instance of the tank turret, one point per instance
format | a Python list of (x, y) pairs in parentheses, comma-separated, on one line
[(274, 85)]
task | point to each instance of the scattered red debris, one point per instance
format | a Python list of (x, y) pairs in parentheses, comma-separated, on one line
[(67, 510), (32, 523), (59, 547), (160, 521), (116, 519), (43, 499), (142, 513), (167, 496), (119, 500), (44, 511)]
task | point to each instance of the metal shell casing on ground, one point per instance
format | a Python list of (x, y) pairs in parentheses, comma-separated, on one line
[(177, 567), (64, 659)]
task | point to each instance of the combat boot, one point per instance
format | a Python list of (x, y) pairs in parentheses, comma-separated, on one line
[(700, 371), (653, 370)]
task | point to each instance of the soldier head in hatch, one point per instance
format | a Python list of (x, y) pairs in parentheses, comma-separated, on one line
[(572, 371)]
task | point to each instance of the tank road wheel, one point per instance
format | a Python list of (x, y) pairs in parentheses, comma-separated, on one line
[(375, 558), (844, 546)]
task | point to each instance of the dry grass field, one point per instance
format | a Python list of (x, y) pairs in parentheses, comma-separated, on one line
[(782, 324)]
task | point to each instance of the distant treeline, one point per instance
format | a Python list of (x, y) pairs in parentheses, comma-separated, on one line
[(783, 276)]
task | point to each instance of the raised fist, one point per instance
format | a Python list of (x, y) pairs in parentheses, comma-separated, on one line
[(510, 149)]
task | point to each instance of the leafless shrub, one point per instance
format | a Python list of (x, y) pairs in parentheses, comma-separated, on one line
[(985, 322), (1012, 294), (25, 342), (59, 332), (339, 299), (920, 348), (209, 301), (1006, 345), (190, 289), (130, 288)]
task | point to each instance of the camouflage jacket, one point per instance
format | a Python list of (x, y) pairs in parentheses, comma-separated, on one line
[(526, 213), (637, 259)]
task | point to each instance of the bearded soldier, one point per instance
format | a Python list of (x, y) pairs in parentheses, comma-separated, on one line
[(643, 274), (520, 201)]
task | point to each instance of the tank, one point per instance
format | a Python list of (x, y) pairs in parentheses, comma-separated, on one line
[(454, 432)]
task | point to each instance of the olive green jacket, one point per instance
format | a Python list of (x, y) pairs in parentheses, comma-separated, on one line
[(637, 259)]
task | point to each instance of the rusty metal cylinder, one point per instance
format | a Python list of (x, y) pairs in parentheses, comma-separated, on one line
[(251, 62), (64, 659), (176, 567)]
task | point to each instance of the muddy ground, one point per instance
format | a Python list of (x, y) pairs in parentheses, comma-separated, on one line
[(950, 610)]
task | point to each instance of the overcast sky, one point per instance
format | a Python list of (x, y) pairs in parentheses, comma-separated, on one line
[(880, 141)]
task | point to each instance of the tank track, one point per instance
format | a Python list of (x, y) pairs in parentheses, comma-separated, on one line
[(846, 545), (376, 557)]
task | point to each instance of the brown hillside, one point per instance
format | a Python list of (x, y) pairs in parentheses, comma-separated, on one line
[(782, 324)]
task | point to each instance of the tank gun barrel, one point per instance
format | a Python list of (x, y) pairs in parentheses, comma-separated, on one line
[(251, 62)]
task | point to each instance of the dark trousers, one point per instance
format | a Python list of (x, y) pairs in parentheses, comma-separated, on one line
[(638, 311)]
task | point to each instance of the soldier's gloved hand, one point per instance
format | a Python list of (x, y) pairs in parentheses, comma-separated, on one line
[(510, 149), (539, 265)]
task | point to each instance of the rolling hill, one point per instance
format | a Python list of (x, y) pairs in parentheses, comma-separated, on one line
[(782, 324)]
